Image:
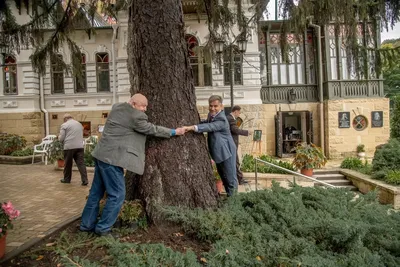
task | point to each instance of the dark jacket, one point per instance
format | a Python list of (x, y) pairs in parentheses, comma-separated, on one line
[(220, 142), (235, 131)]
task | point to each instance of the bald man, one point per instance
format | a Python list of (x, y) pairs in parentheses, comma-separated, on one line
[(122, 146), (71, 135)]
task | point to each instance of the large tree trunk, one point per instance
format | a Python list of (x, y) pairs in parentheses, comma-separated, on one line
[(178, 170)]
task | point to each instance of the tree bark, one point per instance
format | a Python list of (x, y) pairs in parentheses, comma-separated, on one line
[(178, 170)]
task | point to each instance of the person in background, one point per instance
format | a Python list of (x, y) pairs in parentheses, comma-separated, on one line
[(71, 135), (235, 131), (122, 146), (220, 143)]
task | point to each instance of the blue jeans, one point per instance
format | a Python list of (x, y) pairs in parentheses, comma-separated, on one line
[(110, 179)]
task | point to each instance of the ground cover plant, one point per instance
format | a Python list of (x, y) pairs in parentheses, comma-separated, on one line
[(277, 227)]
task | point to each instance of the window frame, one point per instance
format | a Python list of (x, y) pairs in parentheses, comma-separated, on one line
[(226, 66), (197, 58), (84, 74), (98, 72), (13, 78), (57, 72)]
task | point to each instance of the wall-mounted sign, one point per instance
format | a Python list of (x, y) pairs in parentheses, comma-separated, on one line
[(360, 123), (257, 135), (344, 119), (376, 119)]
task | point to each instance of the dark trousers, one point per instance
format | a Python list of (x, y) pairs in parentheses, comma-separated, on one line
[(77, 155), (238, 171), (227, 172)]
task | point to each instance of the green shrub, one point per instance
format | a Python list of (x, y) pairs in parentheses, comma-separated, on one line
[(131, 211), (10, 143), (248, 165), (88, 158), (393, 177), (296, 227), (395, 118), (22, 153), (386, 158), (56, 151), (366, 169), (351, 163)]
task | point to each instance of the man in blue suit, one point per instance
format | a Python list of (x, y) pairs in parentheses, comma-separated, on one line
[(220, 143)]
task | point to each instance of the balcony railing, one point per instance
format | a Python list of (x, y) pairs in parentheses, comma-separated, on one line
[(353, 89), (271, 94)]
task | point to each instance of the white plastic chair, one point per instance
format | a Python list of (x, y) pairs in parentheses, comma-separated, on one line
[(43, 148), (91, 140)]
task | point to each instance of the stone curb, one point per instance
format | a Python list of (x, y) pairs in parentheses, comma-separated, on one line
[(13, 160), (88, 169), (12, 254)]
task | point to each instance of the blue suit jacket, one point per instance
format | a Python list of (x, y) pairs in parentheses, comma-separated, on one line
[(220, 142)]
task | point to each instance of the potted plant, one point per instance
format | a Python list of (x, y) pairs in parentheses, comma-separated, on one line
[(218, 180), (56, 153), (130, 213), (361, 151), (308, 157), (7, 214)]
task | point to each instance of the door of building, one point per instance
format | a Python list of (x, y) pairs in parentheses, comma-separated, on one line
[(292, 128)]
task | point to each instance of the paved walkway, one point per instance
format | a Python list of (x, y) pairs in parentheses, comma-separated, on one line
[(44, 202)]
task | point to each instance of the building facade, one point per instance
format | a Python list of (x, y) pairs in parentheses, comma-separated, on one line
[(281, 99)]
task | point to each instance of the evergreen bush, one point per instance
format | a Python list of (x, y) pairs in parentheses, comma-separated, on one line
[(296, 227), (395, 118), (386, 159)]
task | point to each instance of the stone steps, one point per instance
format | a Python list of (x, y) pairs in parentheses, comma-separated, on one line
[(333, 177)]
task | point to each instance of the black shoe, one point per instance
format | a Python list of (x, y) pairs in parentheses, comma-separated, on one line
[(78, 227), (243, 182), (65, 181), (84, 184)]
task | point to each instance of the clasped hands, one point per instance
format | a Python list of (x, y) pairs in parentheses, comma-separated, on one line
[(184, 129)]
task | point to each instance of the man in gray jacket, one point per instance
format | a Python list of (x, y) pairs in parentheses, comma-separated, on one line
[(71, 134), (220, 143), (122, 146)]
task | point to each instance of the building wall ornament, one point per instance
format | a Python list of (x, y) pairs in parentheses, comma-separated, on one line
[(80, 102), (58, 103), (104, 101), (10, 104)]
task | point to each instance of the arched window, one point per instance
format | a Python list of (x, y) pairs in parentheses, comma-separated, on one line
[(10, 76), (57, 76), (238, 62), (103, 72), (80, 79), (200, 61)]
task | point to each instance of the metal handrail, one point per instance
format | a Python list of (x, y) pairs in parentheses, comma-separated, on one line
[(286, 170)]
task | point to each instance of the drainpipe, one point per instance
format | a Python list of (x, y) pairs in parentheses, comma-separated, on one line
[(114, 37), (46, 113), (320, 84)]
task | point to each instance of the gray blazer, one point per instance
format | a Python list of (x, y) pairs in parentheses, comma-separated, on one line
[(124, 137), (220, 142)]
